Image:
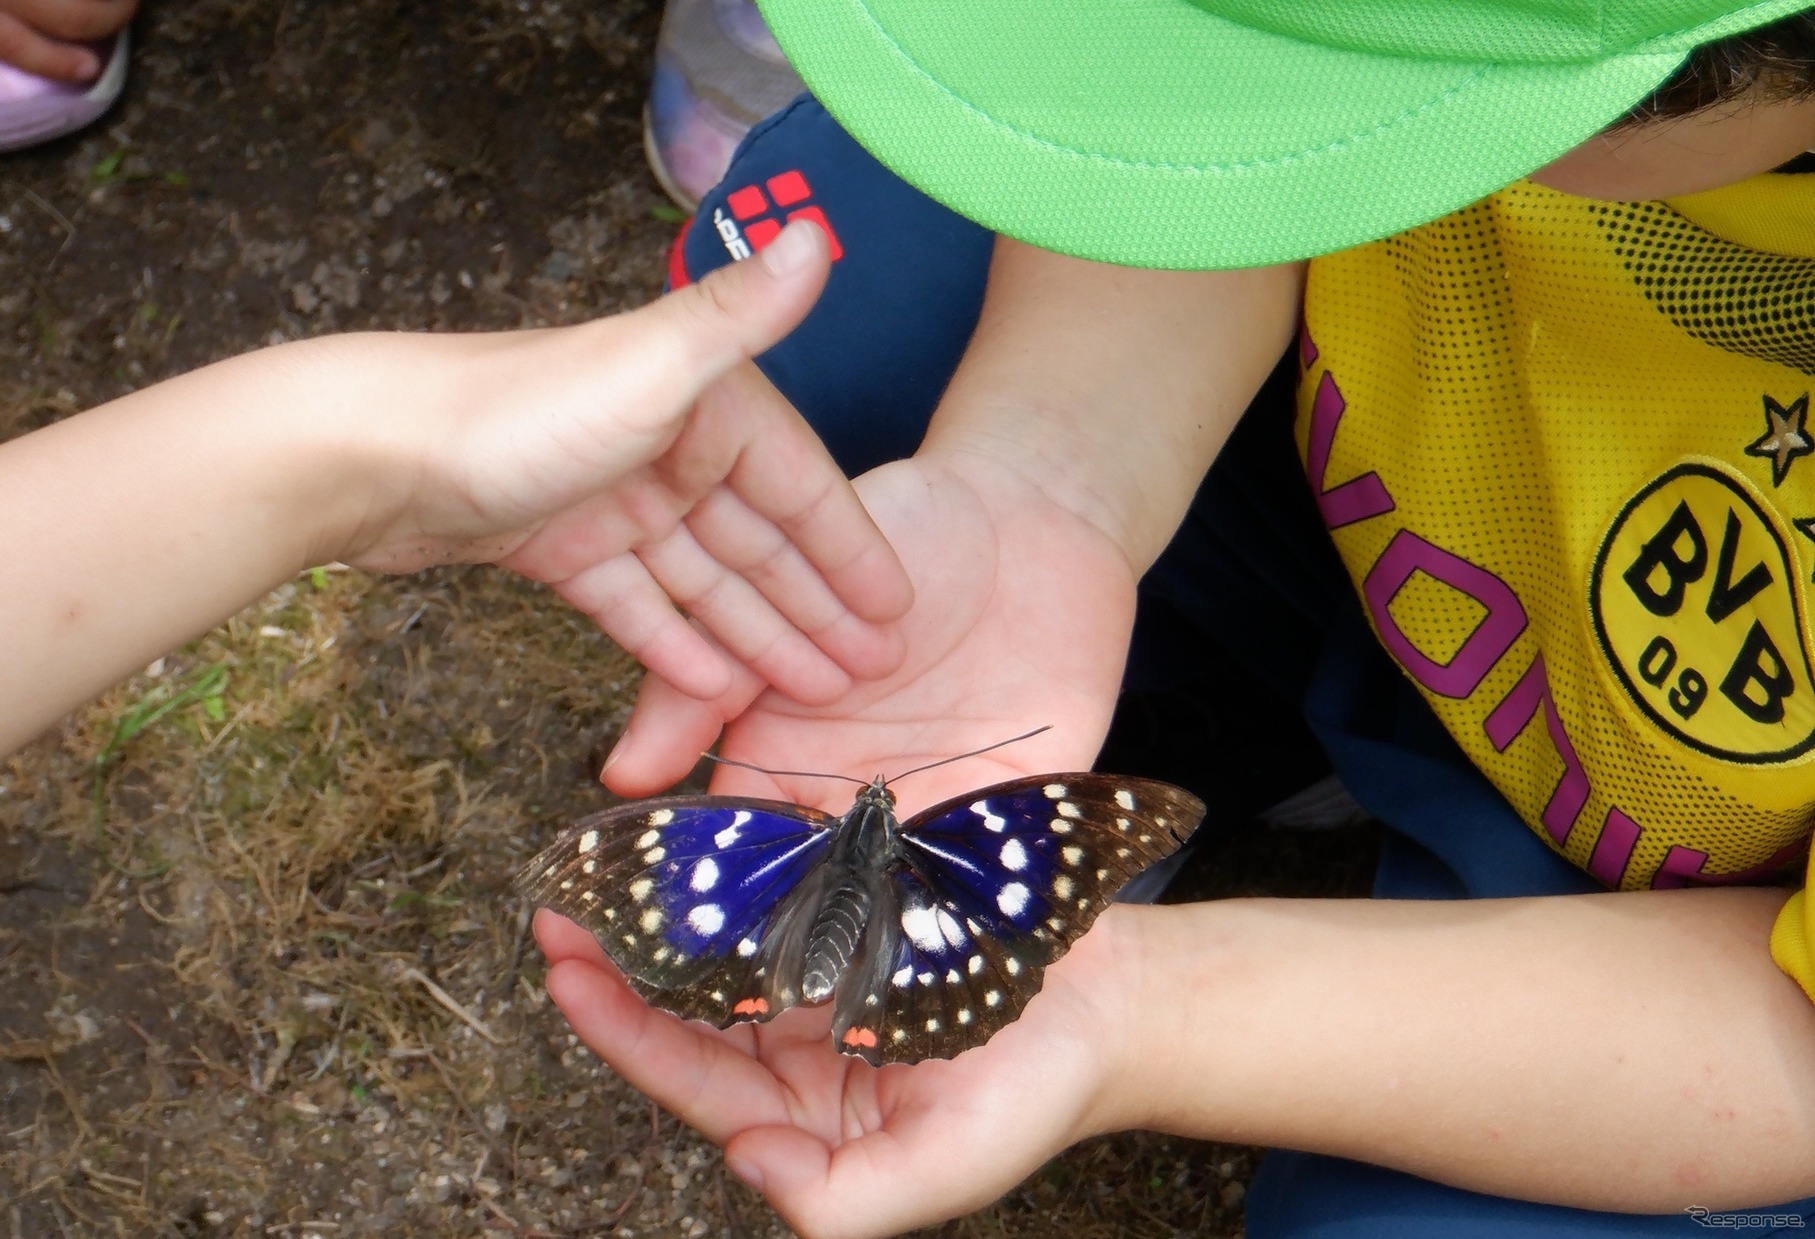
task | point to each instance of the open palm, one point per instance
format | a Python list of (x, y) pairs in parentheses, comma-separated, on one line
[(1021, 619)]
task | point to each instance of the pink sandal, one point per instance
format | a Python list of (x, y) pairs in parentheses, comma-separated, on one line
[(35, 109)]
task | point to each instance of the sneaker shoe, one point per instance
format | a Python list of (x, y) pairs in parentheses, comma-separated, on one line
[(717, 72), (35, 109)]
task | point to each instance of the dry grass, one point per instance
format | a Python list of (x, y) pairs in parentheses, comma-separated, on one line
[(334, 1024)]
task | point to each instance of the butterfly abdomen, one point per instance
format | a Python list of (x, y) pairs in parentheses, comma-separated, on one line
[(832, 942)]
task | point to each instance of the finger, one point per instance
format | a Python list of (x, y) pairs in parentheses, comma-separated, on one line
[(27, 49), (755, 550), (786, 475), (667, 732), (738, 615), (630, 607), (876, 1185), (680, 345), (73, 20), (695, 1073), (953, 1138), (562, 939)]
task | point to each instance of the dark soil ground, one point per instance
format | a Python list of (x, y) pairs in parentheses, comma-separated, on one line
[(260, 970)]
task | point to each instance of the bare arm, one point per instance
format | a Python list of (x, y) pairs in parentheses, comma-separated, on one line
[(1636, 1052), (1110, 388), (579, 456)]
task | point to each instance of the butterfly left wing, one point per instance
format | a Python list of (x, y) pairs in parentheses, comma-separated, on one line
[(995, 885), (683, 893)]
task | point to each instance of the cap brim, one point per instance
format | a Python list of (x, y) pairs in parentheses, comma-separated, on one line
[(1152, 134)]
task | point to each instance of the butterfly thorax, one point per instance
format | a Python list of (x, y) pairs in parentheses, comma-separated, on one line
[(861, 855)]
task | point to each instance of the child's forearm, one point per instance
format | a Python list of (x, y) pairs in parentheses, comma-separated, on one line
[(137, 526), (1113, 389), (1635, 1052)]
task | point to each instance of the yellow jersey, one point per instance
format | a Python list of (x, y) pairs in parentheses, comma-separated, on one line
[(1565, 451)]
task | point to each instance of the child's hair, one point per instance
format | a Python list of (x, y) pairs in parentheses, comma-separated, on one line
[(1778, 60)]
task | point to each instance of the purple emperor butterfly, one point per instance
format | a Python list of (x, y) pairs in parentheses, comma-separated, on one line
[(926, 936)]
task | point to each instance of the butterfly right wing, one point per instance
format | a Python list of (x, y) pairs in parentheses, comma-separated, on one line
[(685, 893), (993, 886)]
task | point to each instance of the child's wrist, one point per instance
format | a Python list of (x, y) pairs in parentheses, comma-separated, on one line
[(378, 408), (1118, 1040), (1175, 964)]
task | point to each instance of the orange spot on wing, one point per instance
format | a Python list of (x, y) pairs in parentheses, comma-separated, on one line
[(865, 1037), (751, 1006)]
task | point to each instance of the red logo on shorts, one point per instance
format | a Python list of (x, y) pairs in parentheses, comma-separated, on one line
[(752, 221)]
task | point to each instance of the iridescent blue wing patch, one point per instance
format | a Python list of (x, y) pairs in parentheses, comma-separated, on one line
[(1033, 861), (683, 893)]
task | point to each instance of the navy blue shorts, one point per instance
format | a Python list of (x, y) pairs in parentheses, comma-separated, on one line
[(1248, 609)]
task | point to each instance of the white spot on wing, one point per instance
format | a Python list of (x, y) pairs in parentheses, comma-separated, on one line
[(1067, 809), (1012, 899), (1062, 886), (661, 817), (922, 928), (1055, 791), (953, 932), (1125, 798), (1014, 856), (654, 855), (588, 842), (746, 947), (726, 837), (648, 838), (1073, 854), (900, 979), (705, 875), (990, 820), (639, 889), (975, 965), (706, 919), (651, 920)]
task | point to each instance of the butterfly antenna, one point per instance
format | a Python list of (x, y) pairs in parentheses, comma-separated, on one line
[(944, 761), (782, 774)]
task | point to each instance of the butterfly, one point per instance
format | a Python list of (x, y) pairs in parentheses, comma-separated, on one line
[(926, 935)]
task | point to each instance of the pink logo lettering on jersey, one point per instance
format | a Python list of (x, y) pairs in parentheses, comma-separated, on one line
[(1406, 554)]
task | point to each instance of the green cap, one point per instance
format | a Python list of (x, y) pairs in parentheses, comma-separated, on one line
[(1232, 133)]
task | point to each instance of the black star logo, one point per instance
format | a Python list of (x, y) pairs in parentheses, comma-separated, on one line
[(1785, 437)]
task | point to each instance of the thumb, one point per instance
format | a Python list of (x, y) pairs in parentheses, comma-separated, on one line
[(691, 337)]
